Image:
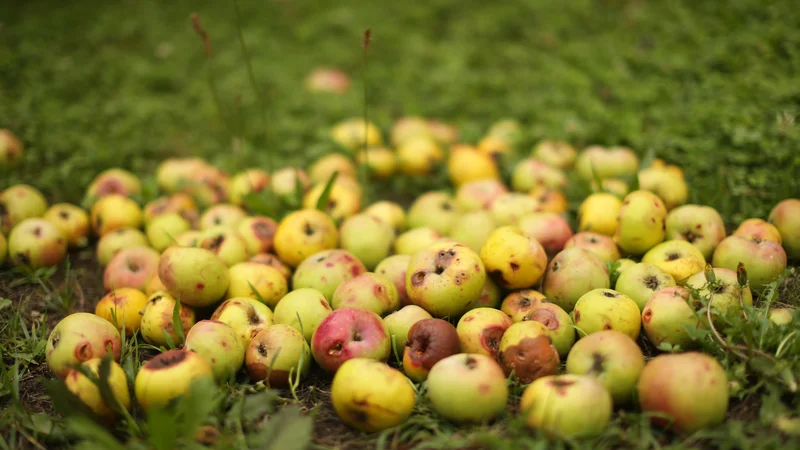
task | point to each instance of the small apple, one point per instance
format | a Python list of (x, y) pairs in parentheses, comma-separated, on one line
[(527, 351), (369, 406), (606, 309), (122, 238), (400, 322), (510, 208), (286, 181), (302, 309), (123, 308), (567, 406), (36, 243), (89, 393), (277, 352), (250, 181), (326, 270), (701, 226), (389, 212), (551, 230), (157, 320), (428, 342), (412, 241), (785, 218), (641, 281), (558, 324), (764, 261), (324, 167), (367, 238), (394, 268), (678, 258), (323, 79), (349, 333), (495, 147), (613, 186), (666, 316), (572, 273), (114, 181), (408, 127), (518, 304), (219, 345), (381, 161), (514, 260), (690, 389), (758, 230), (168, 376), (113, 212), (530, 173), (467, 388), (245, 315), (473, 229), (549, 200), (72, 221), (601, 245), (263, 283), (268, 259), (194, 275), (437, 210), (558, 154), (479, 195), (481, 329), (163, 230), (179, 203), (80, 337), (11, 149), (490, 296), (344, 198), (641, 222), (669, 186), (225, 243), (611, 357), (466, 164), (258, 234), (418, 155), (172, 174), (207, 186), (606, 162), (353, 132), (303, 233), (726, 296), (368, 291), (444, 279), (20, 202), (190, 238), (781, 316)]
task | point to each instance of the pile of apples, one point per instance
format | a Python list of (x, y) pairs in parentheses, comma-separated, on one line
[(467, 287)]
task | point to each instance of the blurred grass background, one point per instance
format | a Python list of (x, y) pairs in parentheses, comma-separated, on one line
[(712, 86)]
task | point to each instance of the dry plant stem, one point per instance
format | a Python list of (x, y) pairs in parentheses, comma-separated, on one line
[(735, 349)]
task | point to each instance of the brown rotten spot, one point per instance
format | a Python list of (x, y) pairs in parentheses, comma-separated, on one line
[(531, 359), (429, 341)]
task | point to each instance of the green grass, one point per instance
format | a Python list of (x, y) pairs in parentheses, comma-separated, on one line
[(90, 85)]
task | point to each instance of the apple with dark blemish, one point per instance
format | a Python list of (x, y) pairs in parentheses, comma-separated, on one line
[(514, 260), (89, 393), (517, 304), (72, 221), (527, 351), (468, 388), (641, 280), (558, 324), (399, 323), (326, 270), (245, 315), (350, 333), (163, 231), (394, 268), (123, 307), (157, 320), (286, 181), (131, 267), (477, 195), (572, 273), (611, 357), (558, 154), (258, 234), (168, 376), (224, 242), (481, 329), (20, 202), (607, 309), (219, 345), (180, 203), (758, 230), (80, 337), (416, 239), (368, 291), (567, 406), (666, 316), (113, 212), (174, 173), (600, 245), (263, 283), (530, 173), (642, 222), (786, 218), (678, 258), (686, 392), (114, 181), (36, 243), (701, 226), (764, 261), (268, 259), (367, 238), (194, 275), (551, 230), (223, 214), (437, 210), (726, 296), (189, 238), (302, 309), (277, 352), (113, 242), (428, 342), (445, 279), (249, 181), (490, 296), (370, 396)]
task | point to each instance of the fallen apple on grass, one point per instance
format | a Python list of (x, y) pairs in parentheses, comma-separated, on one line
[(481, 329), (367, 238), (389, 212), (786, 218), (36, 243), (428, 342), (277, 355), (641, 280), (113, 212), (326, 270), (268, 259), (468, 388), (219, 345), (758, 230), (224, 242), (123, 308), (114, 181), (78, 338), (303, 233), (88, 392), (517, 304), (111, 243), (157, 324), (72, 221), (678, 258), (600, 245), (437, 210), (551, 230), (223, 214), (399, 323), (258, 234), (558, 325), (349, 333), (764, 261), (168, 376), (641, 223), (607, 309), (263, 283), (667, 315), (572, 273), (302, 309), (131, 267), (368, 291), (246, 316), (599, 213), (163, 231), (526, 350), (415, 240), (20, 202), (194, 275), (512, 259), (394, 268)]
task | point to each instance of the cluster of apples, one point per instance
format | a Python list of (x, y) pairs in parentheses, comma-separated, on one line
[(468, 288)]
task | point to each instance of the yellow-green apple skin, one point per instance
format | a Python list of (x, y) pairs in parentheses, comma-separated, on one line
[(481, 329), (163, 230), (36, 243), (395, 268), (368, 291), (157, 320), (725, 294), (414, 240), (572, 273), (369, 406), (567, 406), (123, 308), (263, 283), (678, 258), (194, 275), (224, 242), (758, 230), (479, 195), (666, 316), (89, 393), (119, 239), (701, 226), (514, 260), (601, 245), (558, 325), (558, 154), (326, 270), (80, 337), (304, 233), (686, 392), (250, 181), (606, 309), (641, 223), (20, 202), (367, 238), (530, 173), (223, 214), (437, 210), (641, 281), (72, 221), (474, 229), (302, 309), (764, 261), (389, 212), (277, 355), (468, 388), (286, 181), (400, 322), (510, 208), (114, 181), (245, 315), (169, 375), (258, 234), (219, 345), (113, 212), (131, 267), (786, 218), (599, 213), (606, 162), (518, 303), (551, 230)]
